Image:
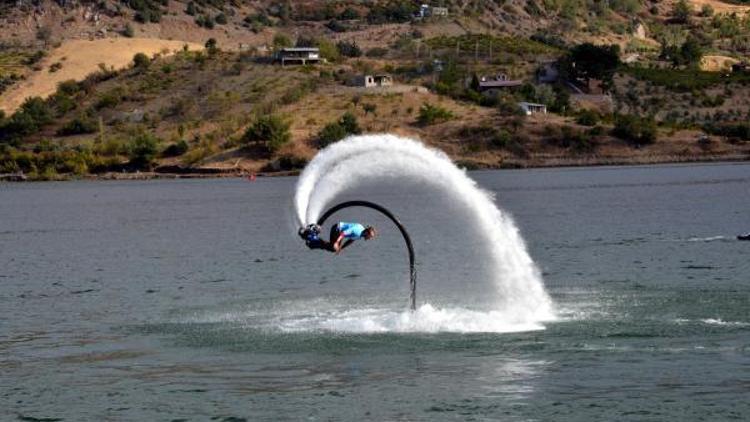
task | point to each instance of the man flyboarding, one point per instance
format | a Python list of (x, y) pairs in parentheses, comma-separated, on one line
[(342, 235)]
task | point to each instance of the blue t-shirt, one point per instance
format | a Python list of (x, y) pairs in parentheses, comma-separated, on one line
[(351, 230)]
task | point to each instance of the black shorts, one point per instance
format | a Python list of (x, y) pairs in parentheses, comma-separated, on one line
[(334, 235)]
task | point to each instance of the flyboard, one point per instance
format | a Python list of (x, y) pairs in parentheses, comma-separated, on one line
[(311, 236)]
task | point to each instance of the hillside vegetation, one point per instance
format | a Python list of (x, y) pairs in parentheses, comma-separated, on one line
[(98, 88)]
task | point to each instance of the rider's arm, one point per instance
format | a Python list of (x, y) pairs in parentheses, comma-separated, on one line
[(337, 243)]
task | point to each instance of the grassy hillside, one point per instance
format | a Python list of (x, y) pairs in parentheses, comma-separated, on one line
[(228, 109)]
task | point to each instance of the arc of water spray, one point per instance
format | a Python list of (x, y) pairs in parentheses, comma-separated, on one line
[(347, 163)]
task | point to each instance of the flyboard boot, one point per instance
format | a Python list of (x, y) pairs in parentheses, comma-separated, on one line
[(311, 235)]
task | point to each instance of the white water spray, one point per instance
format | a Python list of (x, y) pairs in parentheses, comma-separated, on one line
[(521, 297)]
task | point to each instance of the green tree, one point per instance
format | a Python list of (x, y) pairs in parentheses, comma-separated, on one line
[(28, 119), (211, 46), (681, 12), (281, 41), (270, 130), (142, 151), (77, 126), (335, 131), (635, 129), (328, 50), (588, 61), (190, 9), (348, 49), (430, 114), (691, 52), (44, 34), (349, 123), (331, 133)]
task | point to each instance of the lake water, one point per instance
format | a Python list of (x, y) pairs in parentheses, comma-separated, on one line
[(194, 300)]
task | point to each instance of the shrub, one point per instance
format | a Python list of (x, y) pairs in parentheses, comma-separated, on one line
[(68, 87), (377, 52), (635, 129), (205, 21), (291, 162), (176, 149), (348, 49), (430, 114), (588, 118), (77, 126), (221, 19), (33, 114), (501, 138), (332, 132), (35, 58), (109, 99), (142, 151), (397, 11), (681, 12), (211, 46), (128, 32), (740, 131), (328, 50), (349, 14), (44, 34), (141, 61), (350, 124), (281, 41), (271, 131), (369, 108), (257, 22), (337, 26)]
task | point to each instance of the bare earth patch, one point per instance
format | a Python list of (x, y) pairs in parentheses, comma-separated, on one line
[(79, 58), (721, 7), (717, 63)]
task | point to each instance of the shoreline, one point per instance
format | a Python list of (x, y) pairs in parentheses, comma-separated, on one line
[(467, 164)]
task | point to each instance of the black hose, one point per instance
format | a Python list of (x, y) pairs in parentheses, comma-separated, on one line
[(407, 239)]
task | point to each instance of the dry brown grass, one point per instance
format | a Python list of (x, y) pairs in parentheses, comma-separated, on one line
[(721, 7), (717, 63), (80, 58)]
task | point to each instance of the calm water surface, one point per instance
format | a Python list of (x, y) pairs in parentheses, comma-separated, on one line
[(193, 300)]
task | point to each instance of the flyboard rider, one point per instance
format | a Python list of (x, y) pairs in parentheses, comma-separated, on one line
[(342, 235)]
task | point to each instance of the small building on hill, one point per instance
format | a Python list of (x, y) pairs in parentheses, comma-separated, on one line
[(532, 108), (426, 11), (439, 11), (496, 83), (371, 81), (298, 55)]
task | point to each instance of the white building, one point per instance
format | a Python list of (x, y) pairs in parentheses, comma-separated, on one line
[(532, 108), (298, 55)]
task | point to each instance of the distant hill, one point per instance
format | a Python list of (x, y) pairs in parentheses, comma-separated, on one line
[(228, 108)]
